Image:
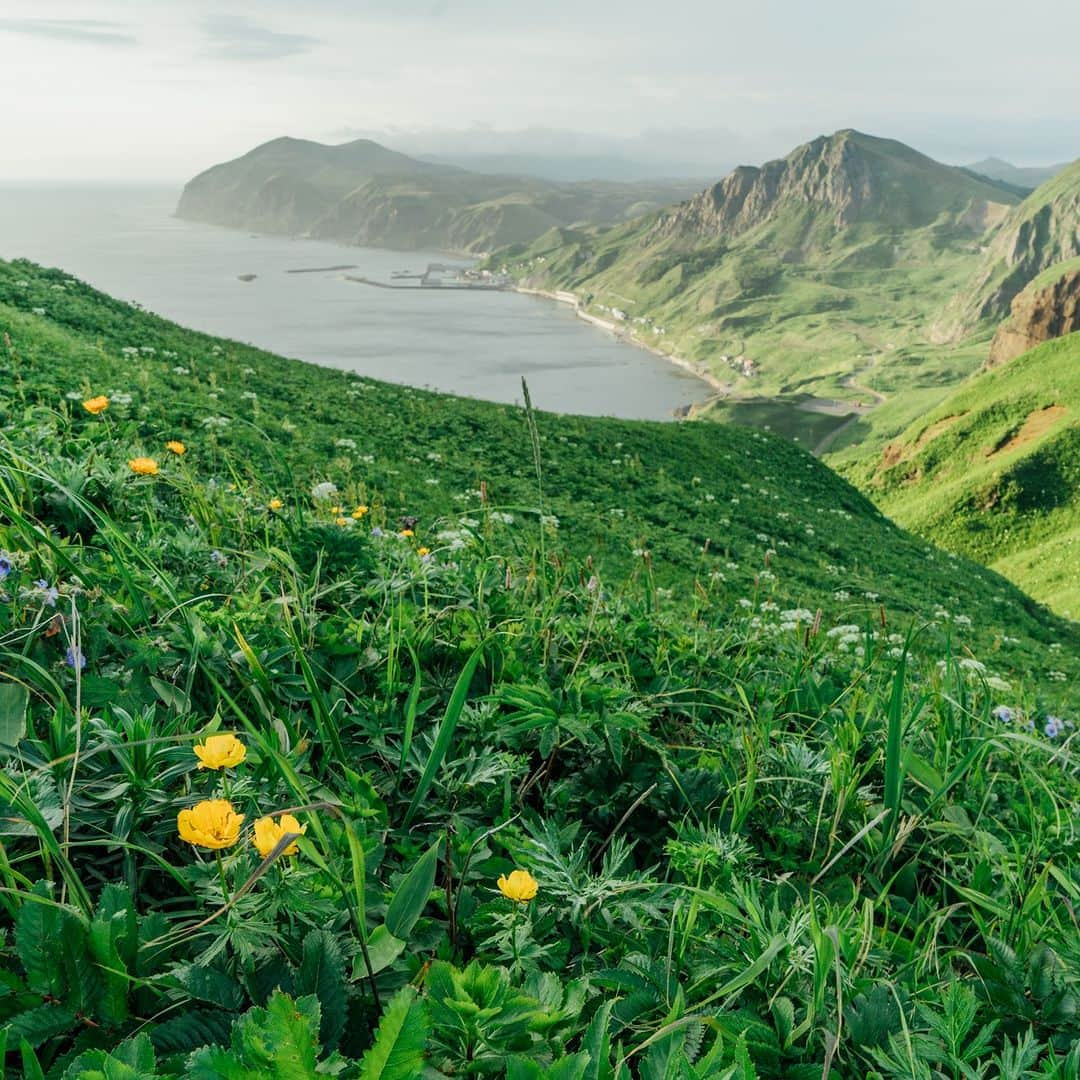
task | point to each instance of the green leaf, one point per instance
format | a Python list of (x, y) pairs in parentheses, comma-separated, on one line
[(412, 894), (36, 1026), (398, 1051), (322, 973), (14, 702), (192, 1029), (133, 1059), (212, 986), (445, 734), (37, 941), (383, 948), (279, 1042)]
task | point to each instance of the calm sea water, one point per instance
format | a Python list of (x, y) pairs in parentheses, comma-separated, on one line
[(126, 242)]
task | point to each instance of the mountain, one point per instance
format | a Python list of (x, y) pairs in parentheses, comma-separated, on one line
[(1025, 178), (791, 278), (363, 193), (993, 472), (1042, 231)]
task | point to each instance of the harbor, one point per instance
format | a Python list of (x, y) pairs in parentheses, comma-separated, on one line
[(440, 276)]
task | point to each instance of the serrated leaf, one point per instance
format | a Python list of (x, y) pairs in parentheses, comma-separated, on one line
[(133, 1059), (279, 1042), (210, 985), (35, 1026), (37, 941), (191, 1030), (398, 1051), (322, 973)]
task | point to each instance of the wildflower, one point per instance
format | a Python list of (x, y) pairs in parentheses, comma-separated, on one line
[(423, 551), (218, 559), (49, 593), (268, 834), (1002, 713), (275, 504), (6, 566), (74, 657), (520, 886), (342, 521), (406, 533), (1053, 727), (176, 447), (376, 531), (96, 405), (144, 466), (325, 490), (220, 752), (212, 824), (359, 512)]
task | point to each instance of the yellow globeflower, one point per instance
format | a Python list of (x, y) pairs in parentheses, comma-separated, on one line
[(406, 533), (275, 504), (341, 521), (268, 834), (422, 551), (220, 752), (96, 405), (176, 446), (212, 824), (359, 512), (520, 886), (144, 466)]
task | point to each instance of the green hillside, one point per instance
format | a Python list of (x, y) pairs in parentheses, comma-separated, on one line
[(994, 472), (363, 193), (352, 730), (790, 279)]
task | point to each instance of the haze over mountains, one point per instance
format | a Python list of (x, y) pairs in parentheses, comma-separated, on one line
[(363, 193), (1029, 177)]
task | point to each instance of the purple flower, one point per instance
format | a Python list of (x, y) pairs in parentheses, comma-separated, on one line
[(74, 657), (5, 567), (217, 558), (1002, 713), (376, 531), (1053, 727), (49, 593)]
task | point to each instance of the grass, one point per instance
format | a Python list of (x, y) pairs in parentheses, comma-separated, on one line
[(768, 838), (991, 472)]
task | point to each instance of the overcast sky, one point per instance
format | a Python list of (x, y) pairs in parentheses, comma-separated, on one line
[(160, 89)]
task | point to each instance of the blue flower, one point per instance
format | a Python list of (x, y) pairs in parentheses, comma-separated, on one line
[(74, 658), (1053, 727), (217, 558), (5, 567), (1002, 713), (49, 593), (376, 531)]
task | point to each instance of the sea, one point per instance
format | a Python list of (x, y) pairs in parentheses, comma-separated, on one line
[(126, 241)]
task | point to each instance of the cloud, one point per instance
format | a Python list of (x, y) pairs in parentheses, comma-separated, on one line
[(90, 31), (233, 37)]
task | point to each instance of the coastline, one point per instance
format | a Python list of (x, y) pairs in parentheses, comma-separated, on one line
[(691, 367)]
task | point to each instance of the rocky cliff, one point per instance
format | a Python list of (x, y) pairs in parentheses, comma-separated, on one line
[(1041, 312), (840, 180)]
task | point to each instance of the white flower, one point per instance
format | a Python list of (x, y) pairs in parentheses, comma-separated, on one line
[(324, 490)]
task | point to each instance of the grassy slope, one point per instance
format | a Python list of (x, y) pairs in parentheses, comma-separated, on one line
[(760, 850), (678, 488), (1016, 509)]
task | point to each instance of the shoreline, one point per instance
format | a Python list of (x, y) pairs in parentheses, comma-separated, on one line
[(691, 367)]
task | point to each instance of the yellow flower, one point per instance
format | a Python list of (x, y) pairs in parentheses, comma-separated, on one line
[(220, 752), (423, 551), (520, 886), (406, 532), (341, 521), (96, 405), (212, 824), (176, 447), (144, 466), (275, 504), (359, 512), (269, 832), (335, 510)]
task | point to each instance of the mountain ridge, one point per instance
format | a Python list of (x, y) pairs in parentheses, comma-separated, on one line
[(364, 193)]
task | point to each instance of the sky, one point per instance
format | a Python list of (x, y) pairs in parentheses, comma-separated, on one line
[(158, 90)]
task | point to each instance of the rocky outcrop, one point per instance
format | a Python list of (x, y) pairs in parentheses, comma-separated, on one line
[(1038, 314), (839, 180)]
